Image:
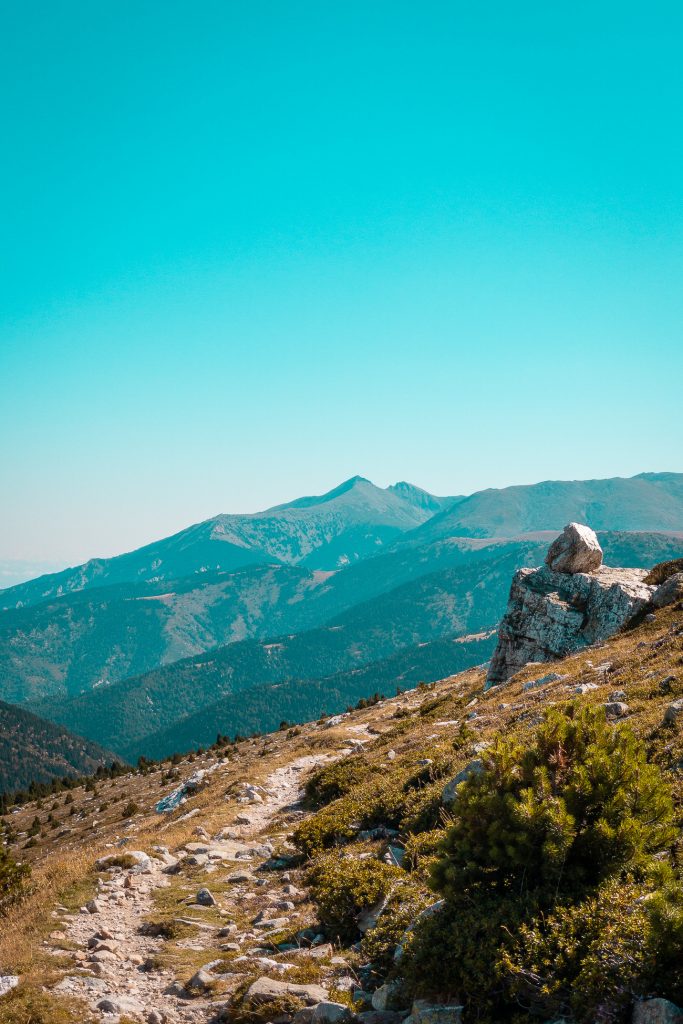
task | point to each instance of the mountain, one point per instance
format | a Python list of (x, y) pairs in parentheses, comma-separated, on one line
[(32, 749), (365, 804), (650, 502), (297, 700), (444, 604), (422, 499), (351, 522), (91, 638)]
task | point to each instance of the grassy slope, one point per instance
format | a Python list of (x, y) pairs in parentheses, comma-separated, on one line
[(413, 726)]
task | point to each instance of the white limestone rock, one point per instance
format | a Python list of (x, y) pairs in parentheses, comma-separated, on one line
[(577, 549), (552, 614)]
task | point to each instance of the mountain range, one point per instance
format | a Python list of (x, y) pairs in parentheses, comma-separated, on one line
[(241, 621)]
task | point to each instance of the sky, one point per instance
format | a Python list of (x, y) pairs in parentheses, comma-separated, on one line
[(251, 249)]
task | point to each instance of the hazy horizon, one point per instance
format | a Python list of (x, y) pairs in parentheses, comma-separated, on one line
[(14, 571)]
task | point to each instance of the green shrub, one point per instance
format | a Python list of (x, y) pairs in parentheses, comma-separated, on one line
[(558, 816), (589, 960), (335, 780), (342, 888), (540, 875)]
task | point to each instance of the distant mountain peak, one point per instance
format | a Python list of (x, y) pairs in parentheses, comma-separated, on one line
[(419, 498)]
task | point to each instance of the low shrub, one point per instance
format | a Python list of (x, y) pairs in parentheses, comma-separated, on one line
[(334, 780), (342, 888), (544, 873), (589, 960)]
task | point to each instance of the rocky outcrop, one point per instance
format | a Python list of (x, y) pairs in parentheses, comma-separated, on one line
[(577, 549), (552, 613)]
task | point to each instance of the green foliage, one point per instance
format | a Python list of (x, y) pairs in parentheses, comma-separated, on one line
[(589, 960), (13, 878), (334, 780), (405, 902), (407, 798), (342, 888), (544, 870), (558, 816)]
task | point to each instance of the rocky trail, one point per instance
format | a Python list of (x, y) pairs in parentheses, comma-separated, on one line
[(116, 959)]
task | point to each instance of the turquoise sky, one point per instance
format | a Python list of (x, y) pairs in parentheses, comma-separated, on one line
[(253, 248)]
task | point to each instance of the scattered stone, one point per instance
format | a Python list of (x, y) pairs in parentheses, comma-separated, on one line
[(674, 711), (551, 677), (273, 923), (669, 591), (240, 876), (380, 1016), (577, 549), (93, 907), (268, 990), (8, 982), (450, 789), (332, 1013), (617, 695), (119, 1005), (424, 1012), (616, 709), (656, 1011), (143, 863), (586, 688), (201, 981), (304, 1015), (388, 997), (205, 898)]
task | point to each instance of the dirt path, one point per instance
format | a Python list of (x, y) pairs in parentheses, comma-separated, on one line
[(111, 953)]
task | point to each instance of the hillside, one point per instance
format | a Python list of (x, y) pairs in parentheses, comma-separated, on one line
[(309, 901), (349, 523), (651, 502), (453, 602), (65, 646), (35, 750), (296, 700)]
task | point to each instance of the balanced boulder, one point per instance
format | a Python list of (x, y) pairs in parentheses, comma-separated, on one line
[(576, 550)]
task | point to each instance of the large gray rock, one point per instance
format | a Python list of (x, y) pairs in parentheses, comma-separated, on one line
[(669, 591), (424, 1012), (332, 1013), (576, 550), (656, 1011), (268, 990), (552, 614), (674, 712), (450, 789)]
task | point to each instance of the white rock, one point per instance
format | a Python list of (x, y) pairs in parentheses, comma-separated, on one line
[(577, 549)]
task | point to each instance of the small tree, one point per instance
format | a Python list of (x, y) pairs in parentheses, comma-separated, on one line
[(555, 818), (543, 829)]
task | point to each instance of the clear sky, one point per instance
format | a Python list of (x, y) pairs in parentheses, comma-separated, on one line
[(253, 248)]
